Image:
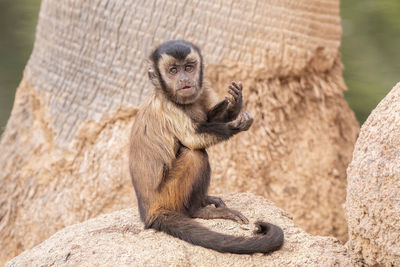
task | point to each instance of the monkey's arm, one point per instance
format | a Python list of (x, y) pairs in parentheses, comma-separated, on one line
[(228, 109), (218, 112)]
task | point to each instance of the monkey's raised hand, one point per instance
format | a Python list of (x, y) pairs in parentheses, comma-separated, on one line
[(228, 109), (236, 101), (243, 122)]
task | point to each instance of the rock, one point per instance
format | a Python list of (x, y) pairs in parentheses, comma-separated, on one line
[(373, 191), (118, 239)]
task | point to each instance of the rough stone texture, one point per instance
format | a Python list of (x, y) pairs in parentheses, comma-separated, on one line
[(118, 239), (373, 192), (63, 154)]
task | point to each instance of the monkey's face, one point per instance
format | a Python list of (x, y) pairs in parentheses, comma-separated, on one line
[(181, 78)]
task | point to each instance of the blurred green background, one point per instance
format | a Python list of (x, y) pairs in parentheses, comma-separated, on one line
[(17, 32), (370, 50)]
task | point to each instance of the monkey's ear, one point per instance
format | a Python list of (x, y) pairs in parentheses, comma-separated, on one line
[(153, 75), (150, 69)]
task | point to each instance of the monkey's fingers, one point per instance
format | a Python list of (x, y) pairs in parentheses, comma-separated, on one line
[(240, 118), (246, 115), (246, 121), (236, 90), (235, 95), (239, 85), (239, 217), (247, 124)]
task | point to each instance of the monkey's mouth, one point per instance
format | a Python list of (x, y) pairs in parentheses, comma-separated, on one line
[(187, 87)]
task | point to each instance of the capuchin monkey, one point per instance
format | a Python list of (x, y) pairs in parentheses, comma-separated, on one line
[(169, 164)]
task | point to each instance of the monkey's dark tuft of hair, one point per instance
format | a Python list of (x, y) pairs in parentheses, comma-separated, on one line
[(178, 49)]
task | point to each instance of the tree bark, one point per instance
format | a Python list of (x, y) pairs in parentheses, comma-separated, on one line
[(63, 154)]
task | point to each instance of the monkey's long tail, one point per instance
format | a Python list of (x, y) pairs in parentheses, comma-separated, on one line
[(268, 237)]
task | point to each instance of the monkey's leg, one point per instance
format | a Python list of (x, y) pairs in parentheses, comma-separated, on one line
[(185, 189), (220, 213), (185, 186)]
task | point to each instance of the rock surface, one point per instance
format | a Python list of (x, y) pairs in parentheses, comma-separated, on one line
[(373, 192), (118, 239)]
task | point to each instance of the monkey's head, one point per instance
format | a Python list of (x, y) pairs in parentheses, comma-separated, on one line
[(177, 69)]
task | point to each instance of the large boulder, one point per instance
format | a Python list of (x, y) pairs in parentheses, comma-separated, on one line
[(118, 239), (373, 191)]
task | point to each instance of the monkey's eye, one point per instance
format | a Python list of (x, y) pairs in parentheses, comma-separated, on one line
[(173, 70), (189, 68)]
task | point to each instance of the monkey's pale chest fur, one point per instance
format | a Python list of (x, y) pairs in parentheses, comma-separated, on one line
[(163, 125)]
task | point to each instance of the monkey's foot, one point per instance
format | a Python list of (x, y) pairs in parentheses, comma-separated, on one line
[(216, 201), (221, 213)]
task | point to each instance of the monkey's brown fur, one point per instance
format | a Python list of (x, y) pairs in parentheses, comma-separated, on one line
[(168, 160)]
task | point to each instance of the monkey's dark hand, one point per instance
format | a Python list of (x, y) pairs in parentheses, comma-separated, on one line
[(242, 122), (228, 109), (235, 99)]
